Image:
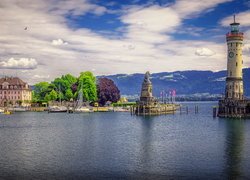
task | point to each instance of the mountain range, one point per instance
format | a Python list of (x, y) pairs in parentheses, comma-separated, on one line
[(183, 82)]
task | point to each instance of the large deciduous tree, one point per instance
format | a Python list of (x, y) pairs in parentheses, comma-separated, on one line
[(63, 85), (107, 91), (67, 87), (40, 91), (87, 82)]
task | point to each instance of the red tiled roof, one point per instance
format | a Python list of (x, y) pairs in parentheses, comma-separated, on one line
[(12, 81)]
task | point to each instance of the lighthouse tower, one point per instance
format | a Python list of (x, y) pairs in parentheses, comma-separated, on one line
[(234, 105), (234, 82)]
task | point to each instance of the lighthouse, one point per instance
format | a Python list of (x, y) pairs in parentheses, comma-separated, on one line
[(234, 105), (234, 81)]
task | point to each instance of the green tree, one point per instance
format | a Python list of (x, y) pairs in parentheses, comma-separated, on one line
[(40, 90), (34, 97), (64, 84), (87, 82), (70, 79), (53, 95), (47, 97), (60, 96), (69, 94)]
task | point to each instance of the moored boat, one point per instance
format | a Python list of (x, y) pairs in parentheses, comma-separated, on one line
[(5, 112), (83, 109), (57, 109), (19, 109)]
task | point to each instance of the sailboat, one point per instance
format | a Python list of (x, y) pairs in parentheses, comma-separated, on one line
[(58, 109), (80, 108)]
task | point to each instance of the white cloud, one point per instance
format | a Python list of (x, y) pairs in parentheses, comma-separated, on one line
[(146, 43), (242, 18), (190, 8), (40, 76), (75, 7), (152, 19), (22, 63), (246, 48), (58, 42), (204, 52)]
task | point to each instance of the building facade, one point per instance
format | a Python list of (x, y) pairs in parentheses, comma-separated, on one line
[(234, 104), (14, 91)]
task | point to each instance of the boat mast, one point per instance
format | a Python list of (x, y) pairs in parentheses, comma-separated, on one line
[(80, 97), (60, 100)]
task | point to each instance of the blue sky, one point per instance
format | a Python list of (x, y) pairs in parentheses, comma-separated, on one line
[(109, 37)]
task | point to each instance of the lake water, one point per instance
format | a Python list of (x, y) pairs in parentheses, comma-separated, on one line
[(117, 145)]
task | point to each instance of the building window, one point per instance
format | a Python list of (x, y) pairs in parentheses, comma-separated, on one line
[(236, 44), (230, 73), (231, 44), (236, 64)]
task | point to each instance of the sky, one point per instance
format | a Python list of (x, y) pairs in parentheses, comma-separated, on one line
[(44, 39)]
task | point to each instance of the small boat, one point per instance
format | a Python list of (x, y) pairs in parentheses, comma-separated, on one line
[(57, 109), (7, 112), (121, 109), (19, 109), (83, 109), (101, 109)]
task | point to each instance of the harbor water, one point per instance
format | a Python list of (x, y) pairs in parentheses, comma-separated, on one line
[(116, 145)]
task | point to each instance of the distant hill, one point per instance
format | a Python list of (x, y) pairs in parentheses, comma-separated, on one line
[(184, 82)]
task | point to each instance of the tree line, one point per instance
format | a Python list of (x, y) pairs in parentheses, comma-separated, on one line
[(67, 88)]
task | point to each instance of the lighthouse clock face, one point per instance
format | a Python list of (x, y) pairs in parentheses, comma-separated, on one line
[(231, 54)]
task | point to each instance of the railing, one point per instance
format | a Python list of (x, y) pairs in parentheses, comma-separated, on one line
[(234, 34)]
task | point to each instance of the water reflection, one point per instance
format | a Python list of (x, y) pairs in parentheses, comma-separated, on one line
[(146, 147), (234, 148)]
